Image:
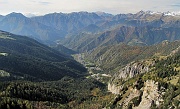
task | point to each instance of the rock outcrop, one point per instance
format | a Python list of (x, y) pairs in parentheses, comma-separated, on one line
[(150, 96), (114, 88), (129, 71), (148, 93), (132, 70)]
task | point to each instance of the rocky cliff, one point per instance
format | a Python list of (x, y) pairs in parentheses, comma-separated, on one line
[(148, 84), (132, 70), (129, 71), (115, 89), (144, 98)]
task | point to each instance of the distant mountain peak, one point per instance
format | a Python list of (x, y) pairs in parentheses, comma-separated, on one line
[(14, 14), (99, 13), (148, 12), (171, 13), (168, 13)]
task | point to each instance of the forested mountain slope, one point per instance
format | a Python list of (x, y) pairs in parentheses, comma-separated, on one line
[(27, 58)]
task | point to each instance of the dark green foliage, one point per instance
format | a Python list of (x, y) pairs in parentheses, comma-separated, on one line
[(118, 98), (59, 92), (33, 92), (129, 106), (168, 96), (139, 84), (165, 68), (12, 105)]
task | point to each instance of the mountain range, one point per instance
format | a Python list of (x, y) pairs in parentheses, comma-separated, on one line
[(63, 28)]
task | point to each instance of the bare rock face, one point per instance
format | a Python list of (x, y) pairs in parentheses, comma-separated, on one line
[(147, 95), (132, 70), (150, 96), (129, 71), (114, 88)]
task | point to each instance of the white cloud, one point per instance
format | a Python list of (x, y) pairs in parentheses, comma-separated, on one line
[(111, 6)]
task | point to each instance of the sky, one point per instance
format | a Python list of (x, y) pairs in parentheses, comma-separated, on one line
[(40, 7)]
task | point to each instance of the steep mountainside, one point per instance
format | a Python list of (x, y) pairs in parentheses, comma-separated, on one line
[(150, 84), (26, 58), (112, 57)]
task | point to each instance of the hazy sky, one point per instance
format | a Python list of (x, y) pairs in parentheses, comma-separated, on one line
[(111, 6)]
